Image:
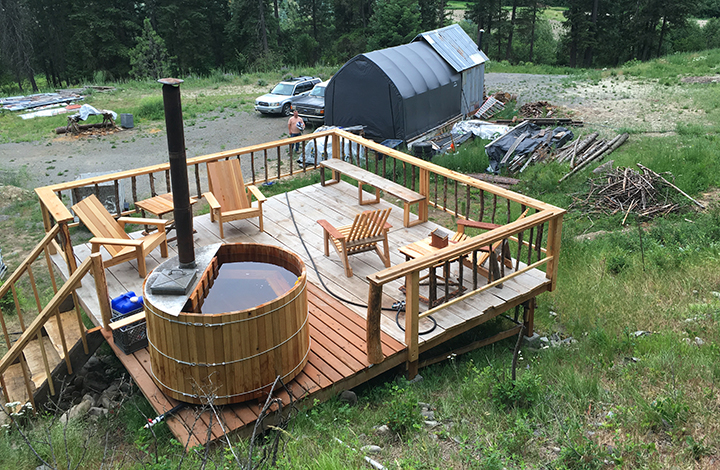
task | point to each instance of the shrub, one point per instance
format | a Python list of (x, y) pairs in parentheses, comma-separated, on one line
[(523, 393), (404, 412)]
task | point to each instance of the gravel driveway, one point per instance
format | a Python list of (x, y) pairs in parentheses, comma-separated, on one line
[(65, 158)]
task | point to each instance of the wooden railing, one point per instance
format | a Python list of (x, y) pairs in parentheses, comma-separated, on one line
[(51, 309), (534, 239), (266, 162), (532, 229)]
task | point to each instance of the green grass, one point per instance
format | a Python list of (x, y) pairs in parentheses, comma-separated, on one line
[(668, 67)]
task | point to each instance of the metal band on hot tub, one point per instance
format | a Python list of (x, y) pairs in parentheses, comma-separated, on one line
[(236, 394), (235, 361)]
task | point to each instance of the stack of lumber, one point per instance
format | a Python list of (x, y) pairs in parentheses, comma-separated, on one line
[(581, 153), (518, 163), (625, 190)]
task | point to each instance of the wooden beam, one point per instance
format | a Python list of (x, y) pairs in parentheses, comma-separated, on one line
[(472, 346), (412, 322)]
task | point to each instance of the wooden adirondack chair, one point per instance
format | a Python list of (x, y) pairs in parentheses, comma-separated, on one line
[(110, 234), (229, 198), (364, 234)]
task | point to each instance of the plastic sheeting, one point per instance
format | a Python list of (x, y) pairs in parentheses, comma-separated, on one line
[(325, 148), (481, 129), (497, 149), (87, 110)]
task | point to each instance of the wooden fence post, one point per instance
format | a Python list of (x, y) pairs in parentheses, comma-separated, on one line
[(424, 189), (101, 289)]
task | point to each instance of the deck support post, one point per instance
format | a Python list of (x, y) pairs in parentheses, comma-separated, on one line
[(67, 247), (424, 189), (412, 304), (529, 316), (374, 346), (98, 272), (47, 223)]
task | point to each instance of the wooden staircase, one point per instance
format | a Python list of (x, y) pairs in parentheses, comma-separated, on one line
[(56, 341), (52, 348)]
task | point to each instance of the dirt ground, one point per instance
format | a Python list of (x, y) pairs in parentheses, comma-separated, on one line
[(610, 104)]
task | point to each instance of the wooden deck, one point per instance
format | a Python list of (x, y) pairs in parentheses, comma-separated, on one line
[(337, 359)]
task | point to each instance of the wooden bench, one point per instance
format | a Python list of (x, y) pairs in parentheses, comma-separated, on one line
[(409, 197)]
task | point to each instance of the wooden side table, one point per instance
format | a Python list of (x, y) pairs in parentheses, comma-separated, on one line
[(161, 205)]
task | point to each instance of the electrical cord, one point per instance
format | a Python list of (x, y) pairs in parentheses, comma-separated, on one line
[(397, 306)]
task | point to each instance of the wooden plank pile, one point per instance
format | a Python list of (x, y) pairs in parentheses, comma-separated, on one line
[(625, 190), (518, 163)]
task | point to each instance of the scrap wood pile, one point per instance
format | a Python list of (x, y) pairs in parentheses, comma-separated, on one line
[(539, 109), (625, 190), (579, 153)]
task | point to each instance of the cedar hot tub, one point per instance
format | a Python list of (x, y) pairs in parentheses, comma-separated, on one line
[(244, 324)]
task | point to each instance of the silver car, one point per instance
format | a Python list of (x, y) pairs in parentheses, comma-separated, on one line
[(279, 100)]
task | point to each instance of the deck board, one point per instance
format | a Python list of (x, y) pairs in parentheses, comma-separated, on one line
[(338, 330)]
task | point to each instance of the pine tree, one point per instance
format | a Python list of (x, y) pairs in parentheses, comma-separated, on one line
[(394, 22), (149, 59)]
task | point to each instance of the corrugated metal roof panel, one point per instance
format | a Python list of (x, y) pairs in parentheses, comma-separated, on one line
[(455, 46)]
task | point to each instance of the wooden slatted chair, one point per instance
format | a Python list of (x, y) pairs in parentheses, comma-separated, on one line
[(367, 230), (110, 234), (229, 198), (488, 252)]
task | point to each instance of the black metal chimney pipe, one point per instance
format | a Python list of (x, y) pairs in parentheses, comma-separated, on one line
[(480, 38), (178, 172)]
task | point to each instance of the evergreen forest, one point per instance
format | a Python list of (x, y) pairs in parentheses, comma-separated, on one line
[(61, 42)]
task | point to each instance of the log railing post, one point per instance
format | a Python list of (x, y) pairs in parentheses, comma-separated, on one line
[(553, 248), (412, 304), (374, 346), (67, 247), (98, 273)]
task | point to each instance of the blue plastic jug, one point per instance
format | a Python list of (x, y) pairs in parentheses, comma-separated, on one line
[(127, 302)]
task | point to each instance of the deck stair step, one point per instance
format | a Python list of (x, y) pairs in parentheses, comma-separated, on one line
[(33, 356), (16, 384), (70, 328)]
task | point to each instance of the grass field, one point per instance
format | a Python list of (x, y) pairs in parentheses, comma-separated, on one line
[(636, 387)]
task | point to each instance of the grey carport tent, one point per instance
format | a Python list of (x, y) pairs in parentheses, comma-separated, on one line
[(396, 93)]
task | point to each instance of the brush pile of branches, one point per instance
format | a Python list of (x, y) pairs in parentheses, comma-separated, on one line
[(624, 190)]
